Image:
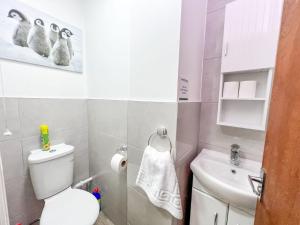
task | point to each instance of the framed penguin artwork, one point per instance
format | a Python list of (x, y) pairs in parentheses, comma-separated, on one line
[(31, 36)]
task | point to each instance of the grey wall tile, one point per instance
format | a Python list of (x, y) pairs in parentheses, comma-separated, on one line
[(12, 118), (112, 184), (211, 80), (57, 113), (20, 196), (135, 156), (81, 167), (188, 124), (11, 153), (214, 34), (110, 117), (145, 117), (251, 142), (142, 212), (107, 132)]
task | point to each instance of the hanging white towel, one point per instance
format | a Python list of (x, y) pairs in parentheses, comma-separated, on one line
[(157, 177)]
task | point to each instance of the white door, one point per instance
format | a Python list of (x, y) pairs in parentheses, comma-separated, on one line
[(207, 210), (251, 34), (239, 217)]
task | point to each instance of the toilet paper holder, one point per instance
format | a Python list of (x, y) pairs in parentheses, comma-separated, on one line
[(122, 150), (163, 133)]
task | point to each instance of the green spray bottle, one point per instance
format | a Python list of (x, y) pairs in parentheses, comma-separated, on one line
[(45, 142)]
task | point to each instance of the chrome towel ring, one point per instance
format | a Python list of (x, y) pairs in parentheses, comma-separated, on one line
[(163, 133)]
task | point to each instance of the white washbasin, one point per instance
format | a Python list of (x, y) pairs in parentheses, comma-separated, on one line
[(219, 177)]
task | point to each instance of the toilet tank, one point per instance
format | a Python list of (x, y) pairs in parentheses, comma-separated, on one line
[(51, 171)]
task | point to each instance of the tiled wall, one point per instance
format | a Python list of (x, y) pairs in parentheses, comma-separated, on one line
[(188, 118), (107, 121), (211, 135), (67, 120), (143, 119)]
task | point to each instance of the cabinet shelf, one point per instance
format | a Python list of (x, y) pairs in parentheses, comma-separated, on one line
[(246, 113), (243, 99), (245, 126)]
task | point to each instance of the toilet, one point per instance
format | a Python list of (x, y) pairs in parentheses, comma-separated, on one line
[(51, 174)]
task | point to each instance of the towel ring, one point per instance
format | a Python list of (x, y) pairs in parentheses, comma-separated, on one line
[(161, 132)]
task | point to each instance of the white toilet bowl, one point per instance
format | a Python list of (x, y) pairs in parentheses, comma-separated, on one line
[(70, 207)]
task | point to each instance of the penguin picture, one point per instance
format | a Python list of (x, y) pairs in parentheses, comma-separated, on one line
[(20, 35), (69, 41), (60, 52), (53, 33), (37, 39), (32, 36)]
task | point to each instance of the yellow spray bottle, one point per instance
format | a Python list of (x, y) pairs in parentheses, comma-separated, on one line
[(45, 142)]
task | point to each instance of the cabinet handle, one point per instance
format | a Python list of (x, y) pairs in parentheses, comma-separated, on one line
[(216, 219), (226, 49)]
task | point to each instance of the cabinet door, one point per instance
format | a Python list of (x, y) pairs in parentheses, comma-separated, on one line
[(207, 210), (251, 34), (239, 217)]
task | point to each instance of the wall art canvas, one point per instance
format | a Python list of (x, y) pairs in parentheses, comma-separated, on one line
[(31, 36)]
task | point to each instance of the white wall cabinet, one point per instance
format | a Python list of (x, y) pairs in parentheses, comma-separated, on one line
[(251, 34), (207, 210), (250, 42)]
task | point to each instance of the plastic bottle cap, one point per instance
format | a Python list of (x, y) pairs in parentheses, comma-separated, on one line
[(44, 128)]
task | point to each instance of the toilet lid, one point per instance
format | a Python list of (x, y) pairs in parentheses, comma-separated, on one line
[(70, 207)]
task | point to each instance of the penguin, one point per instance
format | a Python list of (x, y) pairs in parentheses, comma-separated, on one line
[(53, 33), (21, 33), (60, 53), (37, 39), (70, 46)]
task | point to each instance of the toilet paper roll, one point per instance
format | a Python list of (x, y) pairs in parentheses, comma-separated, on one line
[(118, 163), (231, 89), (247, 89)]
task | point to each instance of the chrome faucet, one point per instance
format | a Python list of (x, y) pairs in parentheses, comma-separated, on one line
[(235, 154)]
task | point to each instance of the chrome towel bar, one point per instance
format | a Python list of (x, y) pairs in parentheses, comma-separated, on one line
[(163, 133)]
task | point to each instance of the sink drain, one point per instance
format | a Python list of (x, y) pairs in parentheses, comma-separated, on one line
[(233, 171)]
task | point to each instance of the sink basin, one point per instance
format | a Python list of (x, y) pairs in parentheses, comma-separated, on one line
[(220, 178)]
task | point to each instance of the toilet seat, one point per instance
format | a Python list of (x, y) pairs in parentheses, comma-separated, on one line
[(70, 207)]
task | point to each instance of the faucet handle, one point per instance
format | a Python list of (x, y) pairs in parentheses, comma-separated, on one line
[(235, 147)]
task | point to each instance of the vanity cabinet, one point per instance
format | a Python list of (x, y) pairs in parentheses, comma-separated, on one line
[(239, 217), (207, 210)]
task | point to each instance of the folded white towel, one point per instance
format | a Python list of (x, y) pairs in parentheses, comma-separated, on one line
[(157, 177)]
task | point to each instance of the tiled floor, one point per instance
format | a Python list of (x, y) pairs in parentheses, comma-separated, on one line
[(103, 220)]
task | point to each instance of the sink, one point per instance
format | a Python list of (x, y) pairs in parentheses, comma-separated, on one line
[(220, 178)]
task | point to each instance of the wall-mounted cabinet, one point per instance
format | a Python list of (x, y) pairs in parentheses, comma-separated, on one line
[(251, 34), (249, 52)]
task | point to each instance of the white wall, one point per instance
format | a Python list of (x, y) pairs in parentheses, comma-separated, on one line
[(154, 49), (133, 49), (192, 42), (107, 47), (25, 80)]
